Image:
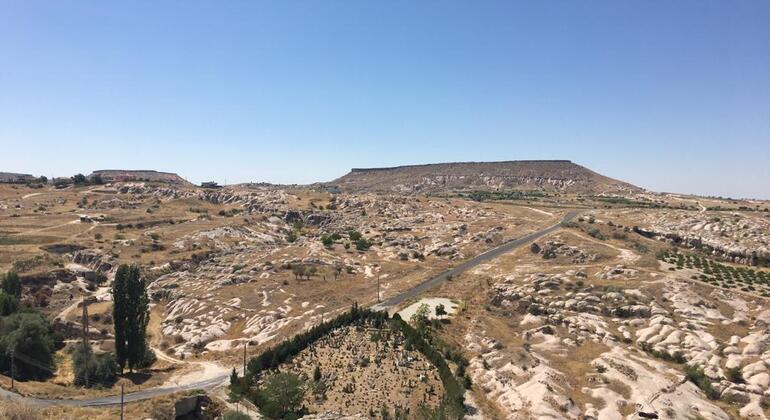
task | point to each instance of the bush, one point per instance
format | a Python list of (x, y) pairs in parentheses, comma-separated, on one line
[(695, 375), (734, 375), (362, 244), (596, 233), (101, 369), (354, 235)]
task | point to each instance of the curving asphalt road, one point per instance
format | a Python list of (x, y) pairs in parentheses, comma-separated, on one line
[(486, 256), (220, 379), (115, 399)]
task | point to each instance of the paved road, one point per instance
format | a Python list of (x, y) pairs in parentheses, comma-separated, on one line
[(115, 399), (486, 256), (220, 379)]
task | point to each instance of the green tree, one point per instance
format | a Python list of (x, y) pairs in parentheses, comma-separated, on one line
[(440, 311), (130, 315), (79, 179), (8, 304), (101, 369), (138, 317), (119, 314), (362, 244), (28, 335), (420, 317), (281, 396), (12, 284), (354, 235)]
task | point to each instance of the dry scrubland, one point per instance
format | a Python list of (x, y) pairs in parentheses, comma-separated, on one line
[(648, 303)]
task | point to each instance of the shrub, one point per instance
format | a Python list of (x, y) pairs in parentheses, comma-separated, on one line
[(596, 233), (362, 244), (734, 375), (695, 375), (101, 369)]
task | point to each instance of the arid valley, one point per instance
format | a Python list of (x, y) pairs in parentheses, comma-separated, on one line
[(529, 289)]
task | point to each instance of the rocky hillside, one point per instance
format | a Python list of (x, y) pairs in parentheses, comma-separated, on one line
[(523, 175), (120, 175)]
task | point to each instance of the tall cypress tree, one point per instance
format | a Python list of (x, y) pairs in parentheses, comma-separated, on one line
[(138, 316), (120, 314)]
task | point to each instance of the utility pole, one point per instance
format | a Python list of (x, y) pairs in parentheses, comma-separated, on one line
[(378, 288), (12, 357), (244, 357), (121, 401), (86, 345)]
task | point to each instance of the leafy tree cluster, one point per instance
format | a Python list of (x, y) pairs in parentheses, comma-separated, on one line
[(29, 336), (80, 179), (101, 369), (130, 314), (303, 270), (512, 195)]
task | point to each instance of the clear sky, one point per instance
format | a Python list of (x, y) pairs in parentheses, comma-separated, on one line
[(671, 96)]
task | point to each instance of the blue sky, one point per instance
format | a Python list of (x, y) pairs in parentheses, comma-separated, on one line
[(671, 96)]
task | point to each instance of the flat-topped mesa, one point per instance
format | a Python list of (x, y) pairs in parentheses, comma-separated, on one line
[(521, 175), (427, 165), (128, 175)]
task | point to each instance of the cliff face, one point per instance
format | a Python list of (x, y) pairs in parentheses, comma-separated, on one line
[(525, 175)]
